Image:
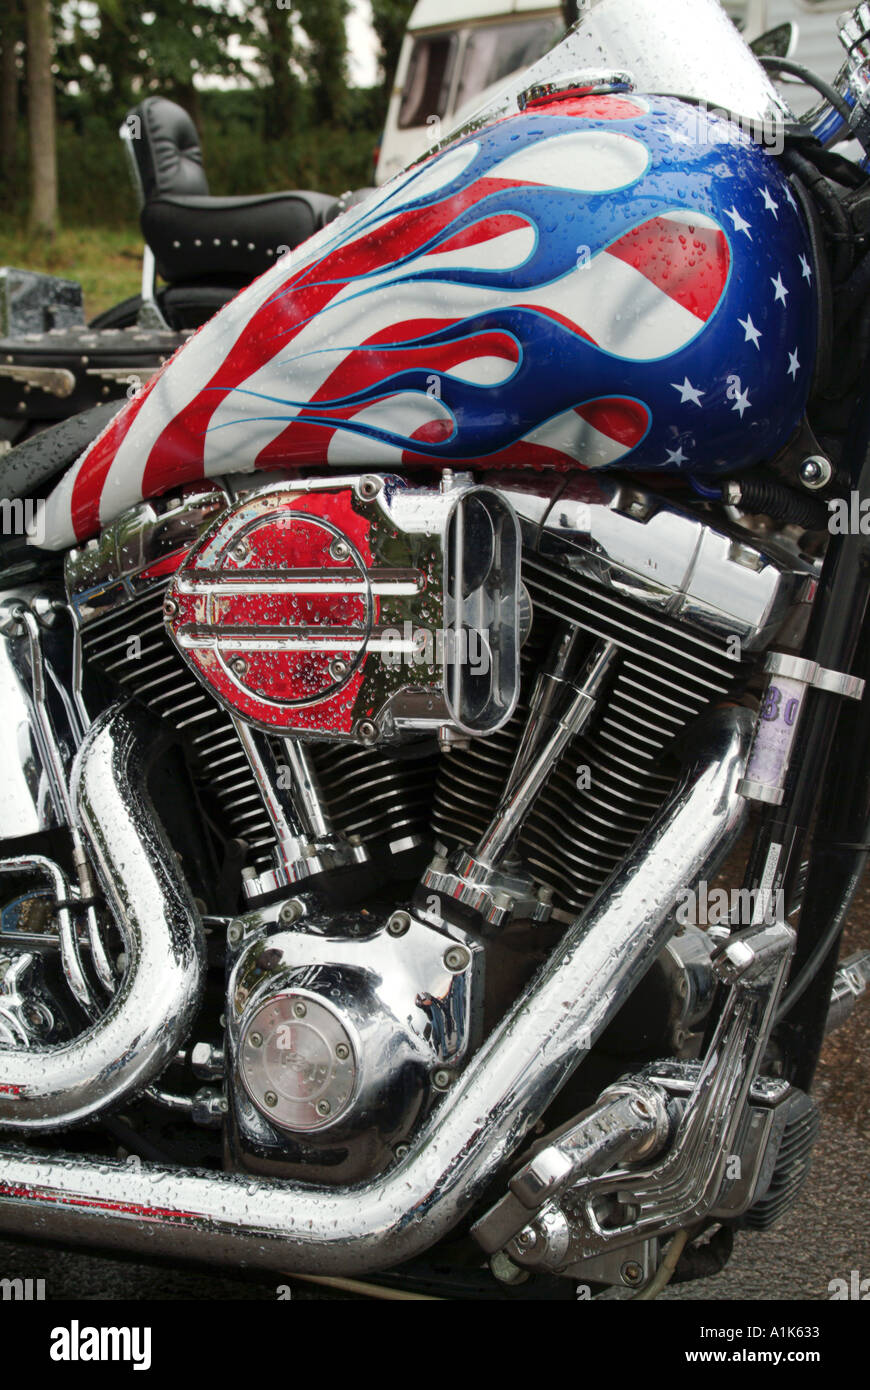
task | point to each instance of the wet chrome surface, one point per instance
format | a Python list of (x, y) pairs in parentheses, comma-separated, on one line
[(483, 1118), (150, 1015)]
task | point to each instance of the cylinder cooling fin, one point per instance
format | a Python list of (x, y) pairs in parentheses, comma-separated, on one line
[(374, 567)]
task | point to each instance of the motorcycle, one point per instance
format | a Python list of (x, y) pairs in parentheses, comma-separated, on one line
[(385, 686)]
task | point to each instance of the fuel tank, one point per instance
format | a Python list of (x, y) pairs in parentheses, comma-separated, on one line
[(596, 281)]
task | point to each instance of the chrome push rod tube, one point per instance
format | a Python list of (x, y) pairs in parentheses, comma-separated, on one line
[(481, 1121), (151, 1013)]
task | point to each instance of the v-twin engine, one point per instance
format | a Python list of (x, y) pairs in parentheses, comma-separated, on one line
[(367, 805)]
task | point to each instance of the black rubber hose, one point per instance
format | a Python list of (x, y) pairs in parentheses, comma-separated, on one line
[(809, 79), (763, 497), (834, 166), (841, 231)]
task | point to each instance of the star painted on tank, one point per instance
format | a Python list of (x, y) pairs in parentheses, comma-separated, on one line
[(688, 392), (740, 223), (769, 202), (742, 402), (752, 334)]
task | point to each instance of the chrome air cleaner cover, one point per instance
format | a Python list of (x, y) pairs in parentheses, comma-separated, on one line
[(356, 608)]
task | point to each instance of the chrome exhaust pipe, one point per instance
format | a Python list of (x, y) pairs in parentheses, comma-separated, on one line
[(151, 1013), (481, 1121)]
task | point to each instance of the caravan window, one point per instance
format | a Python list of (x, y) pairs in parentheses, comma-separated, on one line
[(427, 85), (737, 12), (496, 50)]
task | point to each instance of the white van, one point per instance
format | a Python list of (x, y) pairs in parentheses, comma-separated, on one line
[(456, 51)]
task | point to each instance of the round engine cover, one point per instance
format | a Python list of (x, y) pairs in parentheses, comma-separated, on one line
[(298, 1062)]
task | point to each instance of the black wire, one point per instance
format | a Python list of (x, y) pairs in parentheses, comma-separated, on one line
[(851, 295), (834, 166), (820, 954), (554, 500), (810, 79), (136, 1143), (842, 234)]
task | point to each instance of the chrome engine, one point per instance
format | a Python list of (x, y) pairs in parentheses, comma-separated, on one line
[(416, 778)]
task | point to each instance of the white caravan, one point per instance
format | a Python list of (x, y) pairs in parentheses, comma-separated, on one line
[(456, 51)]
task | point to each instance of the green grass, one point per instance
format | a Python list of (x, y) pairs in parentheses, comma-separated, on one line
[(106, 261)]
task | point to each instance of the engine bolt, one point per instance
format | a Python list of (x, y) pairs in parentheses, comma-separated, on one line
[(339, 550), (240, 550), (290, 912), (238, 665), (441, 1080), (399, 923), (235, 932), (170, 608), (256, 1040), (631, 1274), (270, 1099), (300, 1009), (816, 472), (338, 668), (342, 1052), (366, 730), (456, 959), (369, 487), (323, 1107), (402, 1150)]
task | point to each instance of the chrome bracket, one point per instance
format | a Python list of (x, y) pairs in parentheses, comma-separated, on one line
[(600, 1213)]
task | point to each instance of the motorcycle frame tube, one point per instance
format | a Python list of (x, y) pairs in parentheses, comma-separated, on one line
[(151, 1014), (481, 1121), (838, 638)]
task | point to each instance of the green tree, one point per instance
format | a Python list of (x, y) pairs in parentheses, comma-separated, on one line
[(10, 34), (390, 20), (282, 95), (128, 50), (324, 23), (41, 121)]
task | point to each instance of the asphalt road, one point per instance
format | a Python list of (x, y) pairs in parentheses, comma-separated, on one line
[(825, 1236)]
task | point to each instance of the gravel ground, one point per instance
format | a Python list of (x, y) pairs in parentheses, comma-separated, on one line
[(825, 1236)]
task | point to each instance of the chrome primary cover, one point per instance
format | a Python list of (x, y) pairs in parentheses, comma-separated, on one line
[(343, 1029)]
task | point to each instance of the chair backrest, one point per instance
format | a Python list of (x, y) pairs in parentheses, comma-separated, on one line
[(164, 150)]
